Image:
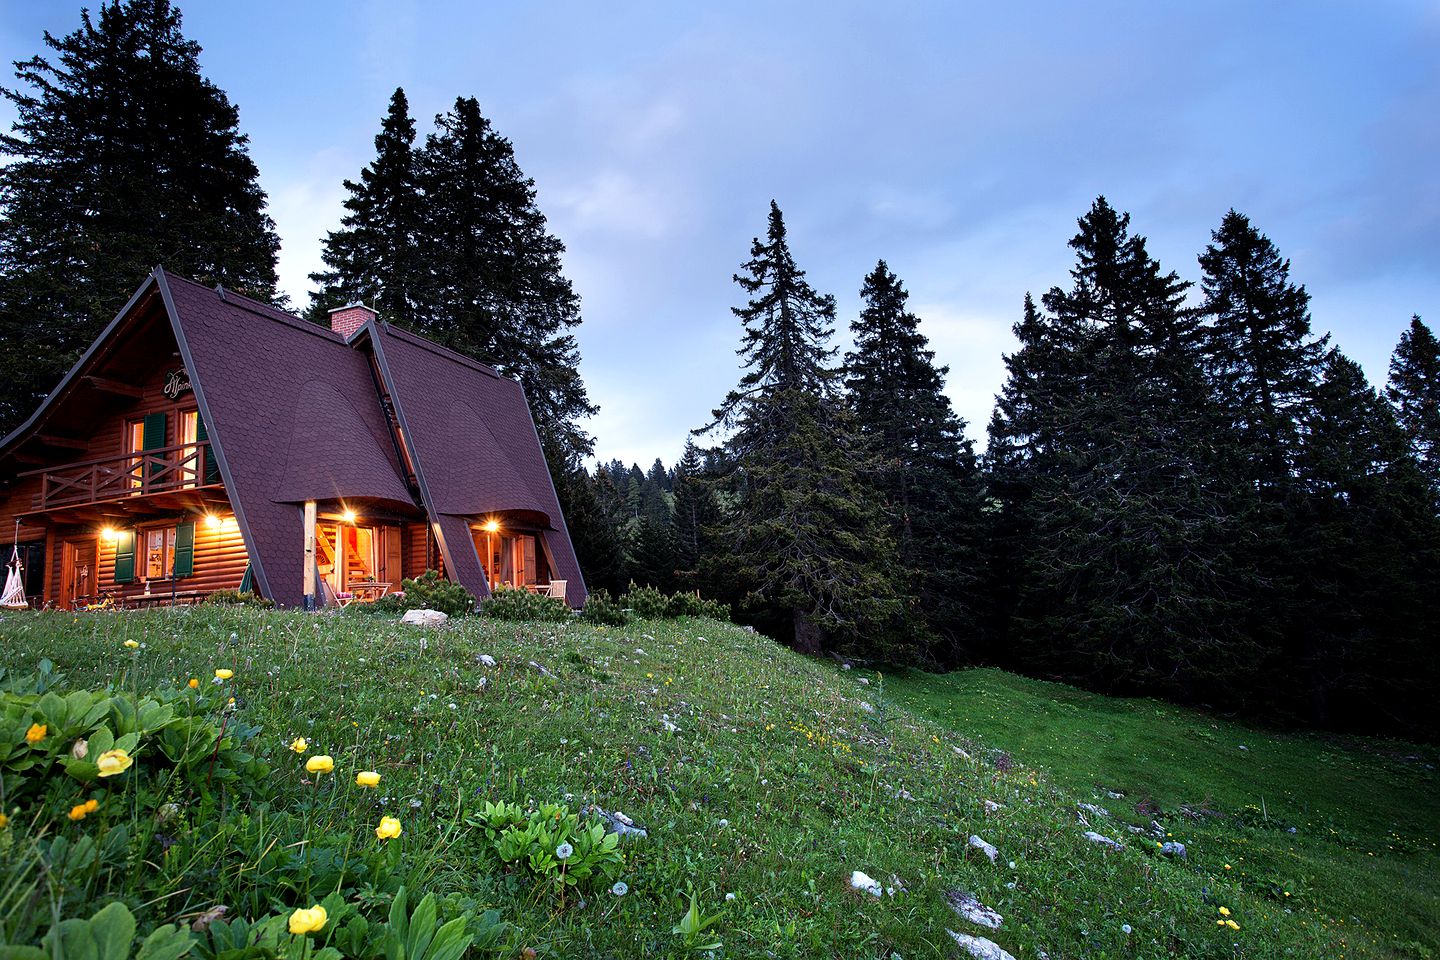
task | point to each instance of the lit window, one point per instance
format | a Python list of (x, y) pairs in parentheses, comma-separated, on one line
[(159, 552)]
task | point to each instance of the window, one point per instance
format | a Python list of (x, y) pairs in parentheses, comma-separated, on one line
[(191, 463), (135, 443), (159, 548)]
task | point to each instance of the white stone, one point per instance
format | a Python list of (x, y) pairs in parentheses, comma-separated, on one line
[(1099, 811), (424, 618), (865, 681), (991, 806), (867, 707), (860, 880), (973, 910), (984, 847), (980, 948), (1104, 841), (486, 660)]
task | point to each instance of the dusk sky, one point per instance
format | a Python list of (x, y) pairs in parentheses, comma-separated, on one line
[(959, 142)]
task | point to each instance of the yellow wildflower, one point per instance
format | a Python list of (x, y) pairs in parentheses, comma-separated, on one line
[(389, 828), (299, 744), (320, 763), (81, 810), (132, 644), (308, 921), (367, 778), (114, 762), (1232, 924), (194, 682), (36, 733), (1224, 911), (224, 674), (92, 805), (4, 821)]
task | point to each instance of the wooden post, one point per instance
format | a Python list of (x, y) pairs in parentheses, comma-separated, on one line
[(309, 554)]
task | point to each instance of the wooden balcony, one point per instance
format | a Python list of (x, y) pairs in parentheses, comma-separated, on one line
[(118, 479)]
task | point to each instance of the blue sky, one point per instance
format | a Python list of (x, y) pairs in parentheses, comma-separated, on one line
[(957, 141)]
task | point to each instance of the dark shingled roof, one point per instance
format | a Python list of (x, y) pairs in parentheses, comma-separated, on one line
[(294, 414), (474, 442)]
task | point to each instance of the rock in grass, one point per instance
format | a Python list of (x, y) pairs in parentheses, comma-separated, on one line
[(980, 948), (1171, 848), (1103, 840), (486, 660), (984, 847), (1096, 809), (860, 880), (971, 909), (424, 618), (991, 806)]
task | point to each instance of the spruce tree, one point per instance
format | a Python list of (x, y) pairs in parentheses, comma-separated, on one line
[(1103, 449), (374, 257), (802, 537), (1259, 354), (696, 512), (1360, 648), (1414, 391), (926, 476), (123, 156), (495, 289)]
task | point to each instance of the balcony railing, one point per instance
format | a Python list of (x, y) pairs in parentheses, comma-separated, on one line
[(112, 479)]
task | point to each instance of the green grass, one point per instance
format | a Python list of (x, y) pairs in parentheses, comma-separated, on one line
[(776, 784), (1366, 813)]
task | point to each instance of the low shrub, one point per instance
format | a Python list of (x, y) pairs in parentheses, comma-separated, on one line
[(601, 609), (647, 603), (244, 598), (693, 605), (522, 605), (429, 591)]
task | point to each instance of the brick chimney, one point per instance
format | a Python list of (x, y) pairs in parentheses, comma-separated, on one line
[(346, 320)]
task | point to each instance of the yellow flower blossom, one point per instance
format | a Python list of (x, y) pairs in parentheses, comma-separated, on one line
[(132, 644), (320, 763), (82, 810), (114, 762), (308, 921), (4, 821), (194, 682), (1224, 911), (299, 744), (36, 733), (389, 828), (367, 778), (224, 674), (1232, 924)]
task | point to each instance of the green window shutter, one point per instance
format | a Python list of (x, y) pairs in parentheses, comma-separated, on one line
[(247, 580), (184, 549), (210, 469), (156, 435), (124, 556)]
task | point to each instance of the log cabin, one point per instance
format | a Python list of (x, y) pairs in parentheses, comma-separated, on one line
[(207, 441)]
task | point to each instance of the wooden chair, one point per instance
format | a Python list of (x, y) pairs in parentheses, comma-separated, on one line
[(557, 589)]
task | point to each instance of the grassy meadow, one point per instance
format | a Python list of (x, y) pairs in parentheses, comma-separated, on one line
[(762, 780)]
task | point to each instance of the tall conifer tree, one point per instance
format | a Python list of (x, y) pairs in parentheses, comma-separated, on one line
[(123, 156), (925, 472), (495, 289), (1101, 436), (802, 538), (1414, 391), (374, 257)]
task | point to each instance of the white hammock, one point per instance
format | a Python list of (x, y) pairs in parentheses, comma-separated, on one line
[(14, 596)]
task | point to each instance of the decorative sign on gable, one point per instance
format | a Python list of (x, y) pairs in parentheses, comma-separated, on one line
[(176, 383)]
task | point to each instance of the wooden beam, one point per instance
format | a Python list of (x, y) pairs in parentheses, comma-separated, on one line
[(107, 385), (69, 443), (310, 555)]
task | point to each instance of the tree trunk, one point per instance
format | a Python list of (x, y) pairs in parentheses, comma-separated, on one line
[(807, 634)]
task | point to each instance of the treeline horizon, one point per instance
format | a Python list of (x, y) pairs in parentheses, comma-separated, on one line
[(1206, 502), (1185, 491)]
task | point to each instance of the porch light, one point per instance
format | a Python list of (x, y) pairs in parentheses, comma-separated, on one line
[(109, 534), (492, 526), (348, 516), (212, 521)]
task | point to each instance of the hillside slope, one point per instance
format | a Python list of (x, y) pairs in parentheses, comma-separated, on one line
[(763, 780)]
